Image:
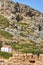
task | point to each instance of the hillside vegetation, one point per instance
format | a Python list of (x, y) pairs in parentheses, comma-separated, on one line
[(22, 26)]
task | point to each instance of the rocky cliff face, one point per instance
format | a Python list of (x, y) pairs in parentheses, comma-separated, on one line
[(25, 23), (8, 7)]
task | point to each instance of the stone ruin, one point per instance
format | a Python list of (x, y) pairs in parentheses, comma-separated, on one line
[(24, 59)]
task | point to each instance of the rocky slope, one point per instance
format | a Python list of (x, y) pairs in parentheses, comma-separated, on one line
[(22, 23)]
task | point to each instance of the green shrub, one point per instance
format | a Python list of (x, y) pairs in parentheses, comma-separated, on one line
[(21, 34), (5, 34), (5, 55), (16, 46), (3, 21)]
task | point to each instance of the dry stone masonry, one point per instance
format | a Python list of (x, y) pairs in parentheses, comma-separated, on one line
[(23, 59)]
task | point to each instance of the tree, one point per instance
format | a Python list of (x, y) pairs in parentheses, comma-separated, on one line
[(0, 44)]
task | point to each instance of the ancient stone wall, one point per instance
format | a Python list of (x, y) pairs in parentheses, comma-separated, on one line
[(27, 59), (24, 59)]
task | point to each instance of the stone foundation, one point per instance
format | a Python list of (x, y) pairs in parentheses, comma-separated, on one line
[(24, 59)]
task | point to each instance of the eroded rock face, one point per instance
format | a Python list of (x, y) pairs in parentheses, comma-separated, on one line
[(15, 12), (19, 18), (18, 8)]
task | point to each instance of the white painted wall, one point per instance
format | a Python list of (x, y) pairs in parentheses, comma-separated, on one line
[(5, 49)]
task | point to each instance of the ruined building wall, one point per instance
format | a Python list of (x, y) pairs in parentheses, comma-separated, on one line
[(23, 59), (27, 59)]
